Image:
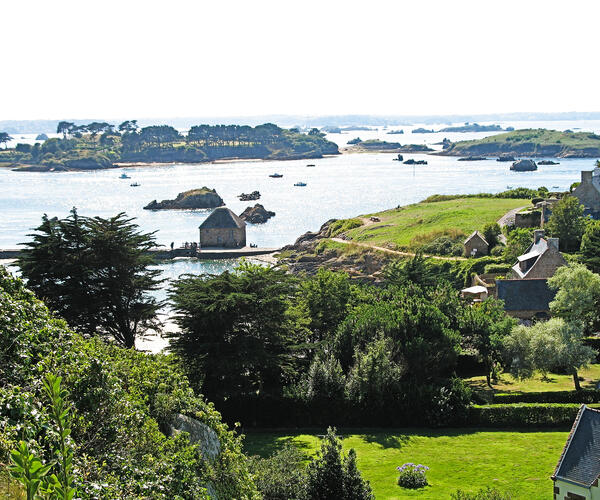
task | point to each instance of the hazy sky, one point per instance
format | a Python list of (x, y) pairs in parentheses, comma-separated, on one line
[(135, 59)]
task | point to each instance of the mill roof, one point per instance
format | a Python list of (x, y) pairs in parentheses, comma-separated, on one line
[(222, 218), (525, 295), (476, 234), (580, 459)]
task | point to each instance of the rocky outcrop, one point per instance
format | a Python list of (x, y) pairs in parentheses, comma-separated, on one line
[(523, 166), (505, 157), (256, 214), (472, 158), (412, 161), (423, 131), (548, 162), (254, 195), (192, 199), (41, 137)]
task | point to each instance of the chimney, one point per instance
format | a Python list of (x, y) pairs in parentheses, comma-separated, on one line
[(537, 235), (586, 176), (553, 242)]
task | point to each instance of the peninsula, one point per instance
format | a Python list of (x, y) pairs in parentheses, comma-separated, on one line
[(101, 145), (530, 142), (359, 146)]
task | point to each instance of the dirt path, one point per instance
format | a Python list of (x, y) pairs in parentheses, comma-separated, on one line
[(393, 252), (507, 219)]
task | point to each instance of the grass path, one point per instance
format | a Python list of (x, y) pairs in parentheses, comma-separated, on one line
[(520, 462), (388, 250)]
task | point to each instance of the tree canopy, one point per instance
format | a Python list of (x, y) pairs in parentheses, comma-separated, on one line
[(567, 223)]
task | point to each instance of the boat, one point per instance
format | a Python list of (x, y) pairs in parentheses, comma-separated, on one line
[(276, 176), (134, 184), (555, 187), (311, 165), (300, 184), (509, 187), (124, 176)]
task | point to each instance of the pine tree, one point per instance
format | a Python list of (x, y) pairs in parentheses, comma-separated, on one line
[(590, 246)]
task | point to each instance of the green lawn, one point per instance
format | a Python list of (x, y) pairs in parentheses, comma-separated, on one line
[(425, 221), (518, 462), (553, 382)]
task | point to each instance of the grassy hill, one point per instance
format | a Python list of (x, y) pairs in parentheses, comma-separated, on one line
[(531, 142), (411, 226)]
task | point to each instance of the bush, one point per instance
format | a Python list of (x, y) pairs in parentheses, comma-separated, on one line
[(483, 494), (443, 246), (580, 397), (412, 476), (523, 414), (281, 476), (341, 226), (497, 268)]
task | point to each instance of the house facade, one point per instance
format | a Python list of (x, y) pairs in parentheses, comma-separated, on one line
[(578, 469), (476, 245), (588, 192), (223, 229), (541, 260)]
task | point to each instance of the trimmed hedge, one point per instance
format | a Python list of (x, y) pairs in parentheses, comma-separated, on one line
[(580, 397), (524, 414)]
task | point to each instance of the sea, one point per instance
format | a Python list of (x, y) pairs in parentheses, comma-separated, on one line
[(340, 186)]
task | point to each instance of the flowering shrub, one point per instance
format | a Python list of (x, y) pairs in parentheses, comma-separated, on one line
[(412, 476)]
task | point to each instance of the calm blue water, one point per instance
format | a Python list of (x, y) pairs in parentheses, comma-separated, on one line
[(338, 187)]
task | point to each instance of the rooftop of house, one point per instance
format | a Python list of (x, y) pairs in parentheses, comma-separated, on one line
[(525, 295), (580, 459), (591, 176), (539, 247), (476, 234), (222, 218)]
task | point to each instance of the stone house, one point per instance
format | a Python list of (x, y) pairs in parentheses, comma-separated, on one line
[(588, 192), (578, 469), (525, 290), (541, 260), (223, 229), (476, 245)]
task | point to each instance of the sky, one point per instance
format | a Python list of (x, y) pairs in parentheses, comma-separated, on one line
[(178, 58)]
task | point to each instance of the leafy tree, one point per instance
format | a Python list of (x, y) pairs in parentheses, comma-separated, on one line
[(331, 475), (4, 139), (282, 476), (235, 332), (128, 126), (23, 148), (326, 298), (415, 270), (517, 242), (94, 273), (590, 246), (483, 326), (546, 346), (567, 223), (491, 232), (578, 295), (64, 128)]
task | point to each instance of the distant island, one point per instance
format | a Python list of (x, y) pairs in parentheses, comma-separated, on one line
[(385, 146), (475, 127), (100, 145), (530, 142), (396, 131), (423, 131)]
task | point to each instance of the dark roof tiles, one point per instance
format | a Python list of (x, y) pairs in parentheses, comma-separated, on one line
[(525, 295), (222, 218)]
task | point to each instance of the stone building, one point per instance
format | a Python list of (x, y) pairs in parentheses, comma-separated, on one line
[(223, 229), (578, 470), (541, 260), (476, 245), (588, 192)]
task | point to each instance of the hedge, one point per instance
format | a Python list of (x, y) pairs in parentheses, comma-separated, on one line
[(584, 396), (524, 414)]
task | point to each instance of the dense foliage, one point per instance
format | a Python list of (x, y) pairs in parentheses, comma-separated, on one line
[(122, 403), (94, 273), (567, 223)]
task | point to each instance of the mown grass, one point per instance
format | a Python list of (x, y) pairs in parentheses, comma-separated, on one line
[(420, 221), (519, 462), (552, 382)]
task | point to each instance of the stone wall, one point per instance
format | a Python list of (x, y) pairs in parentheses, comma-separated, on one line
[(546, 265), (533, 218), (476, 243), (223, 237), (587, 194)]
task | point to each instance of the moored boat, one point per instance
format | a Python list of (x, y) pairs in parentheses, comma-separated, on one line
[(276, 176), (300, 184)]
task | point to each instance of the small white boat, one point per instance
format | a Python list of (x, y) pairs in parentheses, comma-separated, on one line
[(124, 176), (300, 184)]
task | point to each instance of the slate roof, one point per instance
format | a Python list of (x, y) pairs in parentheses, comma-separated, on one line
[(476, 234), (222, 218), (580, 460), (525, 295)]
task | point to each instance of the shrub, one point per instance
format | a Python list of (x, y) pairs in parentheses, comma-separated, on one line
[(443, 246), (523, 414), (412, 476), (341, 226), (582, 396), (497, 268), (483, 494)]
